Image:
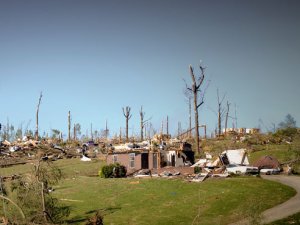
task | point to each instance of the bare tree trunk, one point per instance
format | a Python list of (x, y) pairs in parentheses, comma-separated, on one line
[(196, 123), (120, 135), (179, 129), (142, 114), (220, 112), (149, 131), (168, 125), (126, 113), (69, 126), (190, 117), (74, 132), (195, 89), (37, 174), (219, 123), (226, 120), (37, 118), (43, 201)]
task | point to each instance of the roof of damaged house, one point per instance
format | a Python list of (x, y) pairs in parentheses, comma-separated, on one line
[(267, 162), (130, 147), (147, 146), (235, 157)]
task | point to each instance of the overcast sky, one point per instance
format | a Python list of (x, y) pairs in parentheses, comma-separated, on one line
[(94, 57)]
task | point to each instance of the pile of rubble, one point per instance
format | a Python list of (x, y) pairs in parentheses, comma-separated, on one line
[(27, 149)]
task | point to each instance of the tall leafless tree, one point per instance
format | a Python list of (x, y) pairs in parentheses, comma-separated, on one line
[(74, 133), (235, 116), (126, 113), (190, 117), (227, 115), (220, 112), (37, 117), (143, 123), (106, 132), (167, 126), (179, 129), (198, 94), (69, 126)]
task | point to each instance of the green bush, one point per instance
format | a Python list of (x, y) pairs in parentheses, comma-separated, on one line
[(113, 171), (197, 169), (287, 132)]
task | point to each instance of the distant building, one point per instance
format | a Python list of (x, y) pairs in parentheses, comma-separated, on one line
[(242, 131)]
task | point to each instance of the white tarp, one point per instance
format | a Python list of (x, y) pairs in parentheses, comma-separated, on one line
[(85, 159), (237, 156)]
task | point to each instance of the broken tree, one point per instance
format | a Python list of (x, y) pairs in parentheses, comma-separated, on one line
[(226, 119), (37, 117), (198, 95), (126, 113), (69, 126), (142, 123), (220, 112)]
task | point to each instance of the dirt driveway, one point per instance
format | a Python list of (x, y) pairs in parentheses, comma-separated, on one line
[(285, 209)]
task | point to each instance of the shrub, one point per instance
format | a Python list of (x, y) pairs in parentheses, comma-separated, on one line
[(287, 132), (197, 169), (107, 171), (113, 170), (119, 171), (97, 219)]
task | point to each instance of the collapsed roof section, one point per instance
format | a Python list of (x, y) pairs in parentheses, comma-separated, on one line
[(236, 157)]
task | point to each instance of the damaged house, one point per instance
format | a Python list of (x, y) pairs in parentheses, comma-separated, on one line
[(144, 156)]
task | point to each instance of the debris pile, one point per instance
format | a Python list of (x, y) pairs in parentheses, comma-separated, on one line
[(27, 149)]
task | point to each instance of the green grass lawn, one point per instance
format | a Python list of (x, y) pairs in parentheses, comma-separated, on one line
[(70, 167), (164, 201), (158, 200), (278, 151)]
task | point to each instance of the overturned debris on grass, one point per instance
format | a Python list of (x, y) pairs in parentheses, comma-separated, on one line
[(25, 150)]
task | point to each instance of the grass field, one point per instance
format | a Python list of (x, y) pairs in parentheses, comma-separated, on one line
[(279, 152), (163, 201), (158, 200)]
